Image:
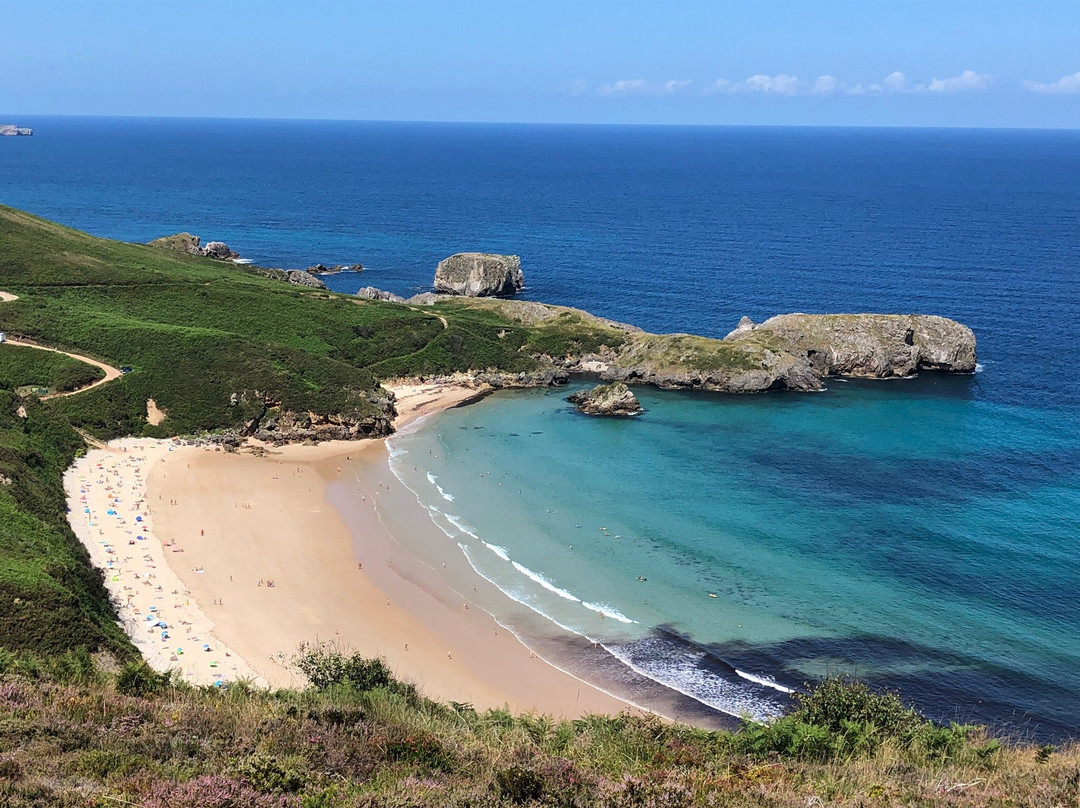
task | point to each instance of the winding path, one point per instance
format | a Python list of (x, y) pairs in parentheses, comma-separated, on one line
[(110, 372)]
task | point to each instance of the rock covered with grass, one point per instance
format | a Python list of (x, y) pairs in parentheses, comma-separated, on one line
[(872, 345), (479, 275), (606, 399)]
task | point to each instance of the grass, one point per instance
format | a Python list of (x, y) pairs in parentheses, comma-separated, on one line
[(72, 736), (53, 600), (21, 366)]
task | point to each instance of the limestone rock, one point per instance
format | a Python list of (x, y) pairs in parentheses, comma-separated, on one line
[(300, 277), (219, 250), (872, 345), (424, 299), (606, 399), (181, 242), (479, 275), (371, 293), (322, 269)]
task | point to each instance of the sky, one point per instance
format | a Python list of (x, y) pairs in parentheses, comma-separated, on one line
[(858, 63)]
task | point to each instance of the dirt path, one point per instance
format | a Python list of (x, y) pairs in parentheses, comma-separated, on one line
[(110, 372)]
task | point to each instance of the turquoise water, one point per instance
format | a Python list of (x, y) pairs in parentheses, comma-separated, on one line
[(905, 531)]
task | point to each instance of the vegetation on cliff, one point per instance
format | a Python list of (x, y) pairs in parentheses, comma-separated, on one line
[(75, 737)]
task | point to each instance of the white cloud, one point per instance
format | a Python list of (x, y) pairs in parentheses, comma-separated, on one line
[(896, 82), (827, 85), (674, 85), (969, 80), (641, 87), (1066, 85), (780, 84)]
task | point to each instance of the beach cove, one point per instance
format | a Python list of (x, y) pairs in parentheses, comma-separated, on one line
[(221, 564)]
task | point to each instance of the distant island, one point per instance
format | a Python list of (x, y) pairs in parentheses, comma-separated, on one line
[(10, 130)]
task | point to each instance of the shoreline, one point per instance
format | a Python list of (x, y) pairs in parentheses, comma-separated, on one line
[(248, 555)]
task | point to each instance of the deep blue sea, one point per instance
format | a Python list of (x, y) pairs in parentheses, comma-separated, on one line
[(921, 534)]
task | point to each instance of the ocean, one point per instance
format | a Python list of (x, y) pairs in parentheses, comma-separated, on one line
[(921, 534)]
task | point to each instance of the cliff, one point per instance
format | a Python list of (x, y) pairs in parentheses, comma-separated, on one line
[(787, 352)]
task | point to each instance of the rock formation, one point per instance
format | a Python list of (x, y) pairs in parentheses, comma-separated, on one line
[(479, 275), (606, 399), (788, 352), (873, 345), (322, 269), (192, 245), (371, 293), (181, 242), (219, 250), (299, 277)]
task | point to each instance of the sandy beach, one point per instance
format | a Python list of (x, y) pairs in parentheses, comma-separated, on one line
[(222, 564)]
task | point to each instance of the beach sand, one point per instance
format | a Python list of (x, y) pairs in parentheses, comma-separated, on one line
[(249, 557)]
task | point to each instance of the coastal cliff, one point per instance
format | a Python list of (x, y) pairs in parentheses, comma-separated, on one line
[(787, 352)]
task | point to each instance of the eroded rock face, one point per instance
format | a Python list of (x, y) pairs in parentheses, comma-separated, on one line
[(479, 275), (219, 250), (300, 277), (192, 245), (371, 293), (606, 399), (872, 345)]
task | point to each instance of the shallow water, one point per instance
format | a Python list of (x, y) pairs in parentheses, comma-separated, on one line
[(903, 531)]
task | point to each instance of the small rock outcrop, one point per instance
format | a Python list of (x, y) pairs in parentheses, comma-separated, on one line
[(479, 275), (181, 242), (300, 277), (606, 399), (219, 250), (192, 245), (322, 269), (371, 293)]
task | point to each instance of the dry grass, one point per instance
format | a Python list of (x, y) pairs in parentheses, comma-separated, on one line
[(89, 744)]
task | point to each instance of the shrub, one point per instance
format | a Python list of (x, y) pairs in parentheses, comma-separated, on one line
[(139, 679), (519, 785), (838, 700), (325, 666), (265, 773)]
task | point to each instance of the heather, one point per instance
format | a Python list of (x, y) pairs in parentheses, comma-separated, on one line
[(75, 736)]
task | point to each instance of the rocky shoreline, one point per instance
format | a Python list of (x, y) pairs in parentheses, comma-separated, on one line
[(795, 352)]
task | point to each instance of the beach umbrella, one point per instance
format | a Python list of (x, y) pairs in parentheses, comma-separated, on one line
[(138, 518), (164, 636)]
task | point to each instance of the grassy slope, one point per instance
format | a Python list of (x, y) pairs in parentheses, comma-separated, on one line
[(21, 366), (51, 600), (142, 742)]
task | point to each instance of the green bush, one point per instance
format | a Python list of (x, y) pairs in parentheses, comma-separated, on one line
[(267, 774), (137, 678)]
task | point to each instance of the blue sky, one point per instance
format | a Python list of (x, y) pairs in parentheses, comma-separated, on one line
[(864, 62)]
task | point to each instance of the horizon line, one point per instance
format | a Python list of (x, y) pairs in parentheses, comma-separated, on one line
[(268, 118)]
